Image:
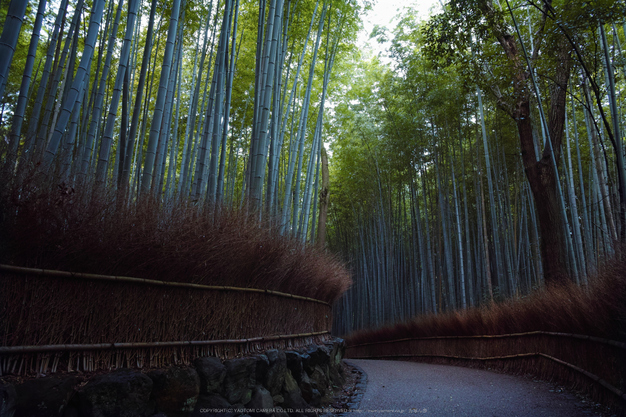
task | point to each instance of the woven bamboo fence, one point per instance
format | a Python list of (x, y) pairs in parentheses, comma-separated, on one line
[(591, 364), (55, 321)]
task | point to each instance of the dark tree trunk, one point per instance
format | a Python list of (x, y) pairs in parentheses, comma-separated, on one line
[(324, 199), (542, 181), (540, 173)]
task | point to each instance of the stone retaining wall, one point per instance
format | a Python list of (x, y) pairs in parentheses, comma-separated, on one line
[(277, 383)]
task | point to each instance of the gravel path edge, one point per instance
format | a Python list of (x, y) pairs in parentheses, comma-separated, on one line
[(359, 391)]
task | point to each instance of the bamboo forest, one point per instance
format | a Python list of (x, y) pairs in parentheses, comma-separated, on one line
[(479, 158)]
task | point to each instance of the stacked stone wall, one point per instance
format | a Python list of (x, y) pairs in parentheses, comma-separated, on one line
[(275, 383)]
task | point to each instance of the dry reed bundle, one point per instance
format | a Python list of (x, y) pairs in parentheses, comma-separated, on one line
[(39, 311), (54, 227), (89, 358)]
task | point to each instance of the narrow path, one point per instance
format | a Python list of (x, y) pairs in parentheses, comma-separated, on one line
[(395, 388)]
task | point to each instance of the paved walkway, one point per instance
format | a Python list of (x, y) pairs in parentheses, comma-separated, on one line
[(395, 388)]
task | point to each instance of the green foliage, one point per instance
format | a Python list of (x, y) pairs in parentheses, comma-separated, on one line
[(464, 35), (394, 124), (403, 136), (14, 80)]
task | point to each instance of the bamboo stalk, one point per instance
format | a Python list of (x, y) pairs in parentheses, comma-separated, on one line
[(66, 274), (615, 343)]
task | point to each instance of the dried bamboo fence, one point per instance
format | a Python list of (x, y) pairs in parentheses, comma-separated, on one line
[(52, 321), (594, 365)]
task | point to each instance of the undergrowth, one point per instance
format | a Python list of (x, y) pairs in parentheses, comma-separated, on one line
[(595, 310), (53, 226)]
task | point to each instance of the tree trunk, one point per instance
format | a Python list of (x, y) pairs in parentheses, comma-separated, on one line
[(617, 143), (324, 199), (8, 40), (107, 139), (541, 174), (68, 103), (20, 109), (34, 117), (146, 180)]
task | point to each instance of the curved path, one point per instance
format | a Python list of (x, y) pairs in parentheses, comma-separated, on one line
[(395, 388)]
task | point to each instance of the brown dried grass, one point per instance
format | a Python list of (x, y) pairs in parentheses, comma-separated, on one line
[(598, 310), (52, 226), (51, 311)]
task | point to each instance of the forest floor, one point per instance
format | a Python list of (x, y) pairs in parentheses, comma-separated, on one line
[(395, 387)]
